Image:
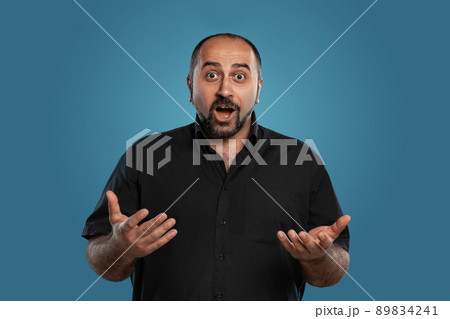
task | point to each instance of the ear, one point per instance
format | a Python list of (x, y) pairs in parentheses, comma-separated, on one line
[(259, 91), (189, 84)]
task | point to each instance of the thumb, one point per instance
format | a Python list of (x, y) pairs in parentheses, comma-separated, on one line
[(340, 224), (113, 207)]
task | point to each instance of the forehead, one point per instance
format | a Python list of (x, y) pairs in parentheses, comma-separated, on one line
[(226, 51)]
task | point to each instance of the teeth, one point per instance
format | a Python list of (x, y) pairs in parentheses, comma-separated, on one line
[(225, 111)]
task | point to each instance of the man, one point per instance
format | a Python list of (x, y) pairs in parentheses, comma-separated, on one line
[(255, 225)]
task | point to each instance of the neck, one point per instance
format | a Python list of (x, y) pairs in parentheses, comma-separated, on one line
[(231, 146)]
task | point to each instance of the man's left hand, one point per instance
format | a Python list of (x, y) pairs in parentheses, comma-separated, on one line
[(313, 245)]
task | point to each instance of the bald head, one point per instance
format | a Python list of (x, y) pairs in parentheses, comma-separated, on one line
[(195, 53)]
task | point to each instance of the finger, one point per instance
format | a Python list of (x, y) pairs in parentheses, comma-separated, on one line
[(299, 246), (113, 207), (147, 227), (163, 240), (159, 232), (309, 243), (339, 225), (325, 240), (285, 242), (134, 219)]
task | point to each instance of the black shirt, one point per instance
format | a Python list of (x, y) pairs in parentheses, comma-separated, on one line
[(226, 247)]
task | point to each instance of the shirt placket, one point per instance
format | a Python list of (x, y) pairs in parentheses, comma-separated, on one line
[(219, 288), (222, 224)]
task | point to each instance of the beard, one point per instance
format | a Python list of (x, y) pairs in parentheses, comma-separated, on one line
[(223, 129)]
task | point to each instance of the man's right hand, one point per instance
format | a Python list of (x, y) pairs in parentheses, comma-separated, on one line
[(143, 239)]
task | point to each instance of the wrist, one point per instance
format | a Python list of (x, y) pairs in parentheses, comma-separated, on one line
[(119, 250), (323, 257), (313, 261)]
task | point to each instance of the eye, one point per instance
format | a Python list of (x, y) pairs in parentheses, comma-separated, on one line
[(240, 76), (211, 75)]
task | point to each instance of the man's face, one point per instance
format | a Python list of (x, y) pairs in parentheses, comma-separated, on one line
[(225, 85)]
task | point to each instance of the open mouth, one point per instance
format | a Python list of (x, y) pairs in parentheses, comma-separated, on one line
[(224, 113)]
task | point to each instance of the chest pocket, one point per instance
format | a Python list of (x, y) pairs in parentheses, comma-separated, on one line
[(263, 217)]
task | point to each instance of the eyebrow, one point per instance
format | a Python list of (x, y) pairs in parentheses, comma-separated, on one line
[(234, 65)]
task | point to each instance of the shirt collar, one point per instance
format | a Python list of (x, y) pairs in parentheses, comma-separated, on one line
[(253, 135)]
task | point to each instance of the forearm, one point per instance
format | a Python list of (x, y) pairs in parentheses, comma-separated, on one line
[(102, 254), (329, 269)]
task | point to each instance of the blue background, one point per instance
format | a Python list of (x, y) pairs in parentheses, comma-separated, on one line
[(376, 105)]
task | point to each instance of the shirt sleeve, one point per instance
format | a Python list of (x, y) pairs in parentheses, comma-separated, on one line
[(324, 208), (123, 182)]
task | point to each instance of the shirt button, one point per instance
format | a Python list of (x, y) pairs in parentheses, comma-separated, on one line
[(219, 295), (221, 257), (225, 188), (223, 222)]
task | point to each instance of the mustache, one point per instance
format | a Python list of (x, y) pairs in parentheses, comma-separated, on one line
[(222, 101)]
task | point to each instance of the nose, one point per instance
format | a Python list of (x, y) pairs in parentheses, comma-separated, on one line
[(225, 89)]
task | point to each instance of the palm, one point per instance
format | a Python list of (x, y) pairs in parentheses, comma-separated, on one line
[(312, 245), (327, 230), (138, 240)]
